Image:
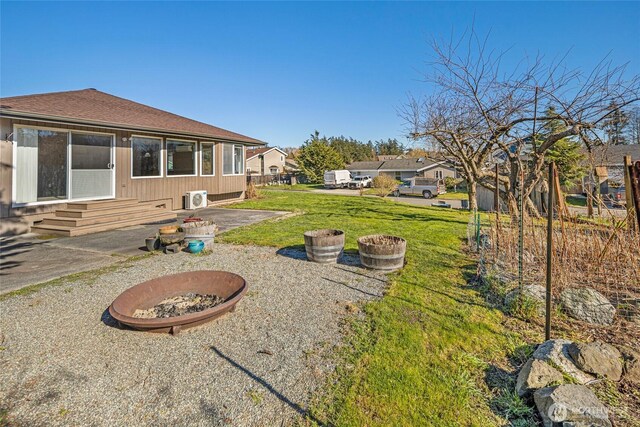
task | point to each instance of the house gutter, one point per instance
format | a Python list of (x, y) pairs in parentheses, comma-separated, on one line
[(106, 125)]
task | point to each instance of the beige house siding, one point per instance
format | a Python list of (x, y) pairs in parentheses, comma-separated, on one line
[(271, 158), (440, 172), (166, 190)]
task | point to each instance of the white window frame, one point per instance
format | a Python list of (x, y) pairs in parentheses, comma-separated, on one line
[(14, 159), (195, 157), (131, 156), (213, 160), (439, 172), (242, 167)]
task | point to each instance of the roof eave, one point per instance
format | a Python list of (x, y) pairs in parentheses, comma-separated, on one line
[(108, 125)]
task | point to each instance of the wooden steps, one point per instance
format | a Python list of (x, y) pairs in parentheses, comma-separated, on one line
[(80, 218)]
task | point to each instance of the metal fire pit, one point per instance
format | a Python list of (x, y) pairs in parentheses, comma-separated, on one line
[(228, 286)]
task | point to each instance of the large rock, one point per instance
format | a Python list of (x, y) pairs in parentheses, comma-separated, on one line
[(556, 353), (631, 371), (536, 293), (588, 305), (536, 374), (570, 405), (597, 358)]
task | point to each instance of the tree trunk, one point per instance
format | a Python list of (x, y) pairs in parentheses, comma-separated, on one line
[(473, 195)]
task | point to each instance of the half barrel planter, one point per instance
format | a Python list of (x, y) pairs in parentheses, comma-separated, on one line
[(324, 246), (382, 252)]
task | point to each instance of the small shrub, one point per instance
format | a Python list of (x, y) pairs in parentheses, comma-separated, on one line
[(384, 185), (513, 407), (452, 183)]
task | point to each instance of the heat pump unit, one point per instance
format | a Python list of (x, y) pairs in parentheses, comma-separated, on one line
[(195, 200)]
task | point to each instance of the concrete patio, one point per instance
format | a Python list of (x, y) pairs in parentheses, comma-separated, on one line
[(30, 259)]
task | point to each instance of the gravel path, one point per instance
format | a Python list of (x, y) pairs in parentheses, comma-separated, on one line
[(63, 363)]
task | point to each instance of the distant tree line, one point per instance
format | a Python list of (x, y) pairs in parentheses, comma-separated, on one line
[(321, 153)]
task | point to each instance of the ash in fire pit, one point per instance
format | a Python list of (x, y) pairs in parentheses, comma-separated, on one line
[(179, 306)]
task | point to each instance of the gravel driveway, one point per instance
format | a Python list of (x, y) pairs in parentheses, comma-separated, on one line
[(64, 363)]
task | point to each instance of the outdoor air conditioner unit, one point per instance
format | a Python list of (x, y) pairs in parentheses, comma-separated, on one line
[(195, 199)]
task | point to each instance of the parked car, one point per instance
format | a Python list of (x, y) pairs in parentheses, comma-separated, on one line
[(425, 187), (337, 179), (617, 197), (360, 181)]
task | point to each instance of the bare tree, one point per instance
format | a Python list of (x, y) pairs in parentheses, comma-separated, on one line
[(478, 112)]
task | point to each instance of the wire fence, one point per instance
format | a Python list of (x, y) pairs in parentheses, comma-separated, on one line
[(600, 255)]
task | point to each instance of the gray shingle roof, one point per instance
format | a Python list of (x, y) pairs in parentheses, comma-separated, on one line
[(393, 165)]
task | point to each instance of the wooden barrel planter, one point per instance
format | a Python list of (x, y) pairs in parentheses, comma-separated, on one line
[(380, 252), (324, 246), (200, 230)]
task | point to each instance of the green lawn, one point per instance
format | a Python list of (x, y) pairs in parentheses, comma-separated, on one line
[(455, 195), (299, 187), (422, 353), (576, 201)]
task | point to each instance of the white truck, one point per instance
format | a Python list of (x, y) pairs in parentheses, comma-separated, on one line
[(424, 187), (360, 181), (337, 179)]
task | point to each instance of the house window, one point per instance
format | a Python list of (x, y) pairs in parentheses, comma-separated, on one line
[(273, 170), (181, 158), (438, 174), (398, 176), (146, 156), (232, 159), (282, 158), (208, 159)]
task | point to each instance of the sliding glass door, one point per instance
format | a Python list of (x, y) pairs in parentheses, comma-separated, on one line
[(56, 165)]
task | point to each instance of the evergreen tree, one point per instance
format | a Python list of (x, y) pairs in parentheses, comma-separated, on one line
[(389, 147), (566, 153), (316, 157), (351, 149), (615, 125)]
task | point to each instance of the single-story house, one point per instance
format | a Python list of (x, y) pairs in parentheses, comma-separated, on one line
[(85, 145), (404, 168), (605, 165), (265, 161)]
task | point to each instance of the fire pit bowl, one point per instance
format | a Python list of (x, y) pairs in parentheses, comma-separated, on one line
[(228, 286)]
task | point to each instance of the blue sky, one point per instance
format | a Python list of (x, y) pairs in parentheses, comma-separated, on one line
[(278, 71)]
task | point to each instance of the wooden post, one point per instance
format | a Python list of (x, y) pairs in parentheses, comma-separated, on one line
[(562, 207), (547, 324), (496, 194), (628, 191), (634, 172)]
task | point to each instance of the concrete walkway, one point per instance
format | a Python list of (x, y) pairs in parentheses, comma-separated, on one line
[(27, 260)]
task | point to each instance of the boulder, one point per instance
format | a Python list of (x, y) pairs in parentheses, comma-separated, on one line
[(536, 374), (556, 353), (570, 405), (588, 305), (536, 293), (597, 358), (631, 370)]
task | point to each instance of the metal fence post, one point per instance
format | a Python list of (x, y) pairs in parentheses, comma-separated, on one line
[(547, 324)]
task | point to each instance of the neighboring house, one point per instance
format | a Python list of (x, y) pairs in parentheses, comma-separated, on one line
[(605, 165), (87, 145), (404, 168), (266, 161)]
